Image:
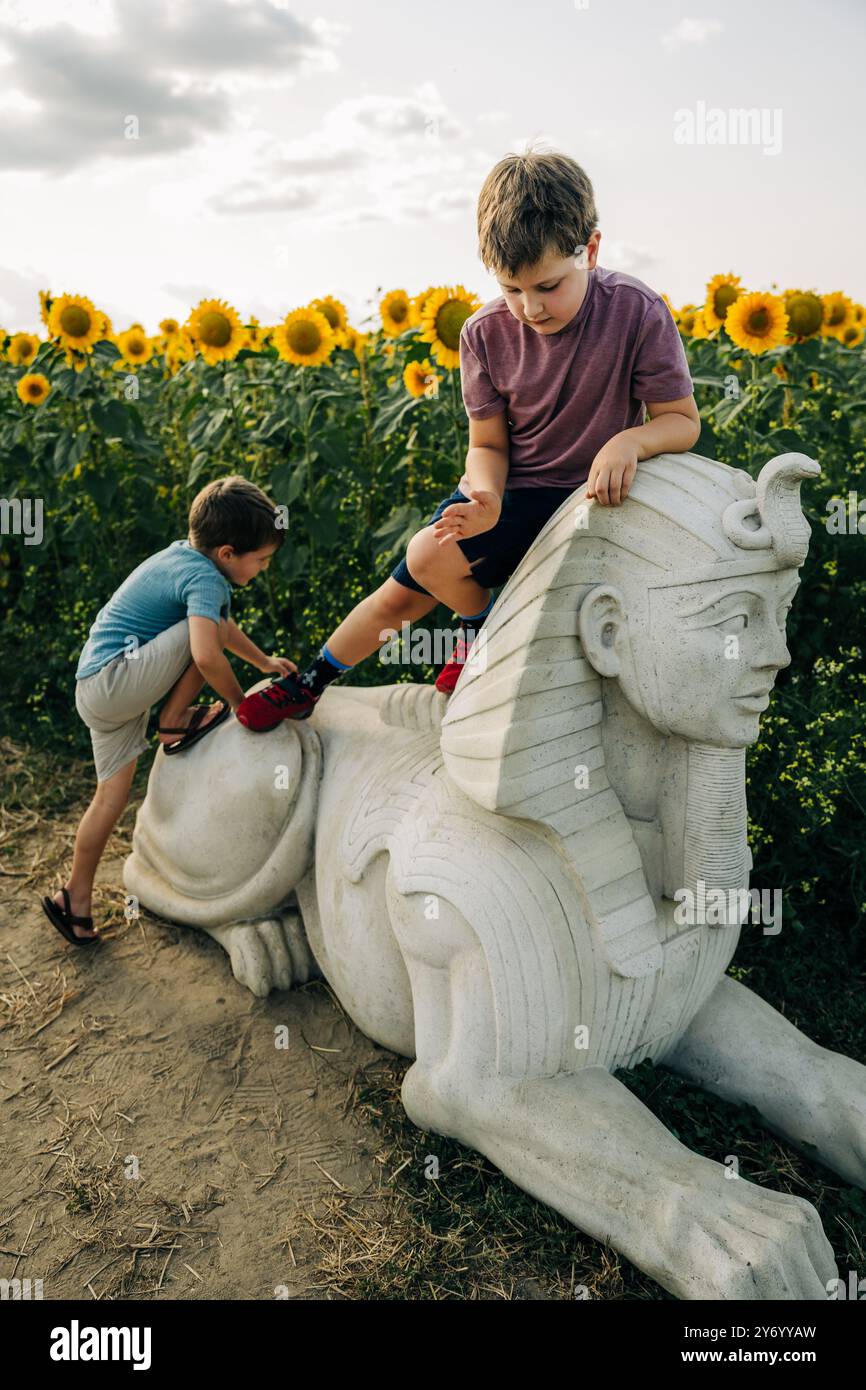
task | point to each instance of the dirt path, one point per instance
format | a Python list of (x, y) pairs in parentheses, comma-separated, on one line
[(155, 1140)]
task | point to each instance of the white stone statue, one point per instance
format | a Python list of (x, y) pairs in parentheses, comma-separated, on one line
[(495, 884)]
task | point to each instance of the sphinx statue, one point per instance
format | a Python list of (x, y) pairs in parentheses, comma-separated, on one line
[(495, 885)]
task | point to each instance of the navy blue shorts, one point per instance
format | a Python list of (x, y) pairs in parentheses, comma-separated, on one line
[(525, 512)]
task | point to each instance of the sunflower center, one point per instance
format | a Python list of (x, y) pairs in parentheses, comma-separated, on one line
[(725, 296), (75, 321), (304, 337), (135, 346), (215, 329), (804, 314), (837, 313), (399, 310), (449, 321), (34, 388), (759, 322), (330, 314)]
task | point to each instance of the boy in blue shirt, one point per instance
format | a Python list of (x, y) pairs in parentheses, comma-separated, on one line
[(164, 631)]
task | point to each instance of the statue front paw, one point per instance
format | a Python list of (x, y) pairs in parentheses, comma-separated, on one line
[(268, 953), (841, 1108)]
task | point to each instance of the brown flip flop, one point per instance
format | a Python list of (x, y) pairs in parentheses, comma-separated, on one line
[(194, 730)]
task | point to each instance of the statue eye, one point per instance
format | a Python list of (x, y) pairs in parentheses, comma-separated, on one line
[(730, 623)]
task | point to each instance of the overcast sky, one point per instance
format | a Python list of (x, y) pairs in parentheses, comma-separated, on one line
[(304, 147)]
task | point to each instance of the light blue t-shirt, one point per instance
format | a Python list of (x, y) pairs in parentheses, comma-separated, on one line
[(176, 583)]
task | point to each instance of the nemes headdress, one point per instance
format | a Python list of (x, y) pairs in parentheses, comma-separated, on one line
[(521, 723)]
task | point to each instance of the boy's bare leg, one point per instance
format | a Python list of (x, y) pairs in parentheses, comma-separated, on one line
[(444, 570), (97, 823), (372, 621), (176, 712)]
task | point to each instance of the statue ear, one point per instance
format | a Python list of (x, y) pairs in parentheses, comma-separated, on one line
[(602, 627)]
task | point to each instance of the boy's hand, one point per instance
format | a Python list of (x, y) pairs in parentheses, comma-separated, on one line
[(464, 519), (280, 665), (612, 472)]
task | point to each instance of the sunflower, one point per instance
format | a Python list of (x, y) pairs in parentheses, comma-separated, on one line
[(181, 349), (135, 345), (445, 313), (305, 337), (255, 335), (686, 319), (417, 306), (722, 291), (860, 313), (420, 379), (757, 321), (334, 312), (75, 322), (216, 331), (853, 335), (805, 311), (396, 313), (355, 341), (781, 370), (170, 328), (76, 360), (22, 349), (838, 313), (33, 388), (45, 301), (699, 324)]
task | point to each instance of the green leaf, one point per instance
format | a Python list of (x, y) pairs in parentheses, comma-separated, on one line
[(112, 419), (392, 415), (101, 487), (287, 483)]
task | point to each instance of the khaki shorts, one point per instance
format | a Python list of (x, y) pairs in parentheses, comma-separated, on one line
[(115, 701)]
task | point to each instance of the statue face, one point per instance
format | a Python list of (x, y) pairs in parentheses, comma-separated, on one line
[(701, 662), (717, 647)]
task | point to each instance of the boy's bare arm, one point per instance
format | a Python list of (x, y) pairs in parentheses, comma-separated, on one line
[(240, 645), (207, 653), (483, 481), (673, 427)]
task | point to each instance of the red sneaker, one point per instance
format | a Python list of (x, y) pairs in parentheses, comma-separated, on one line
[(283, 699), (450, 673)]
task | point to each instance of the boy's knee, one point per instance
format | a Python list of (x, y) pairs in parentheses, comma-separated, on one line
[(111, 798), (422, 554), (392, 604)]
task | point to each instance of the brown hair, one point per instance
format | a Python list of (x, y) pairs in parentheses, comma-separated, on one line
[(531, 203), (232, 511)]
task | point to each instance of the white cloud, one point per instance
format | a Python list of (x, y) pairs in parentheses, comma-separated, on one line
[(623, 255), (172, 64), (691, 31), (376, 156)]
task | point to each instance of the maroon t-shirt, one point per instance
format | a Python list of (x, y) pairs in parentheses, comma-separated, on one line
[(568, 393)]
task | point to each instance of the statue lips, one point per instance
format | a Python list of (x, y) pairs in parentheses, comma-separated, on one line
[(755, 699)]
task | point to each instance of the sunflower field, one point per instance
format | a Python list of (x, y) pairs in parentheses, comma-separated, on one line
[(360, 432)]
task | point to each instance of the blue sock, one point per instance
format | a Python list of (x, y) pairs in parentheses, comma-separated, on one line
[(474, 620), (340, 665)]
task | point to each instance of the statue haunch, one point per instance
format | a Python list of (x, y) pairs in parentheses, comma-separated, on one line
[(510, 886)]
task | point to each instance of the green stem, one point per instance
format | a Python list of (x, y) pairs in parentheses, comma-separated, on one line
[(308, 462), (753, 410), (455, 420), (227, 391)]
